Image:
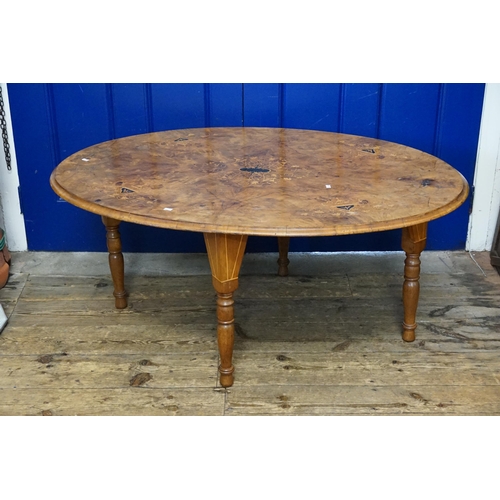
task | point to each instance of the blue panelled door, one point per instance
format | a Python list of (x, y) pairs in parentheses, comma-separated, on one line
[(52, 121)]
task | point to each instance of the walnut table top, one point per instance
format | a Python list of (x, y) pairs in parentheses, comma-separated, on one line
[(260, 181)]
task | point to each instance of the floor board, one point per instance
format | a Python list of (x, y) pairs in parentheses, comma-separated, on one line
[(314, 343)]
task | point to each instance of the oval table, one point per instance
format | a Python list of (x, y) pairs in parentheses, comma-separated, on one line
[(230, 183)]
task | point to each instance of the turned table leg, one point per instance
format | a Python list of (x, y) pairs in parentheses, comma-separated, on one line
[(225, 253), (116, 264), (283, 245), (413, 243)]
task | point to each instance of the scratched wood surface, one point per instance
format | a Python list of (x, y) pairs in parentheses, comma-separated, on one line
[(305, 345), (260, 181)]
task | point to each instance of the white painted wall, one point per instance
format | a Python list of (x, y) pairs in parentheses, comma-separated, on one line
[(9, 194), (482, 222)]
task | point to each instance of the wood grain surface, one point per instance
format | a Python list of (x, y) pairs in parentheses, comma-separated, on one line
[(260, 181)]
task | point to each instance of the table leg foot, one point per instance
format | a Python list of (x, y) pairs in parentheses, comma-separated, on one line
[(413, 243), (225, 337), (116, 264), (225, 254), (283, 261), (409, 332)]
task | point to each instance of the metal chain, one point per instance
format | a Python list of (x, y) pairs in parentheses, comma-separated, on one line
[(5, 137)]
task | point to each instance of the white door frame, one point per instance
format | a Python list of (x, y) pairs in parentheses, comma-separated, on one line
[(482, 221), (15, 229), (486, 205)]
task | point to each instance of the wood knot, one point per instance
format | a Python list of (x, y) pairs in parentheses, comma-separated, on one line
[(140, 379), (418, 397), (46, 358), (282, 357)]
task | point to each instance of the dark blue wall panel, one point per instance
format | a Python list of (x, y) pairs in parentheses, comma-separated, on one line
[(52, 121), (456, 143), (129, 109), (81, 116), (176, 105), (262, 104), (225, 104), (313, 106), (360, 109), (408, 114), (36, 157), (50, 129)]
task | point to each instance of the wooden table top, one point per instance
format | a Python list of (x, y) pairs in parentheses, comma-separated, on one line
[(260, 181)]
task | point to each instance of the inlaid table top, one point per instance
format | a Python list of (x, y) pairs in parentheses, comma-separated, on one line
[(233, 182), (260, 181)]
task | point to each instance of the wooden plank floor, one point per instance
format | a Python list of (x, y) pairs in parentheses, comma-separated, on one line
[(316, 344)]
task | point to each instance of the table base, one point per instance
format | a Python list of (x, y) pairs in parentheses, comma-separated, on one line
[(225, 254)]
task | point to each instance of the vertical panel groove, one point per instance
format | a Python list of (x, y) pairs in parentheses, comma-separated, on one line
[(51, 113), (380, 107), (242, 104), (208, 104), (281, 104), (439, 118), (111, 111), (340, 122), (149, 107)]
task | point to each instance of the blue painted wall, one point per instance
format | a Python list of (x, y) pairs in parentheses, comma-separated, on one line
[(52, 121)]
